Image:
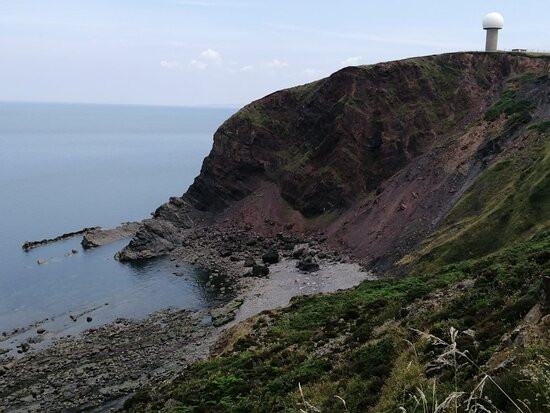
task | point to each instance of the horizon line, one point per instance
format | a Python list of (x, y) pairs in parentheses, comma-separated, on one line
[(204, 106)]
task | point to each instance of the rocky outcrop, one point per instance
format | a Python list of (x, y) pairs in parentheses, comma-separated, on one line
[(373, 155), (155, 237), (165, 231), (98, 237), (225, 314), (29, 245)]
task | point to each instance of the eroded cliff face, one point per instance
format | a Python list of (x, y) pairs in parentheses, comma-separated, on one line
[(374, 156)]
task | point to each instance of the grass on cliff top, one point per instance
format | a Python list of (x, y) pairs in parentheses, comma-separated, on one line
[(357, 345), (259, 114), (445, 75)]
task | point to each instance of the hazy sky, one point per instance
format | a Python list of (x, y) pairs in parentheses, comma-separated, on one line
[(197, 52)]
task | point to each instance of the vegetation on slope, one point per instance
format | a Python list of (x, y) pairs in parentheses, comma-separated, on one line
[(362, 345), (444, 338), (509, 104), (508, 202)]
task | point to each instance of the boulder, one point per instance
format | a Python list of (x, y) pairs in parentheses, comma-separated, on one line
[(225, 253), (249, 262), (299, 251), (260, 270), (307, 265), (288, 246), (271, 257), (225, 314)]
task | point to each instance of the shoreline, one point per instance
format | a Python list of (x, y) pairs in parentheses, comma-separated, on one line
[(106, 363)]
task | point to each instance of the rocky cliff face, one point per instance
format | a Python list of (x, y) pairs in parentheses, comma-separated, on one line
[(374, 156)]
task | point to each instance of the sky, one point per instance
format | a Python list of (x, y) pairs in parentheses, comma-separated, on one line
[(229, 52)]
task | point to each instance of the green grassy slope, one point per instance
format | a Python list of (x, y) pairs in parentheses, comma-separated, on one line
[(358, 344), (509, 202)]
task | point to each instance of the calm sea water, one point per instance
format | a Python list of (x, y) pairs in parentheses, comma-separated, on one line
[(64, 167)]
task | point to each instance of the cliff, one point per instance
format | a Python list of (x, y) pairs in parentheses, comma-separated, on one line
[(373, 156), (438, 165)]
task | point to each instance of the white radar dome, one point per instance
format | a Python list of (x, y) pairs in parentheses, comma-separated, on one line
[(493, 21)]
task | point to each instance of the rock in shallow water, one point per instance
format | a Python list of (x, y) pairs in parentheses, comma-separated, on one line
[(99, 237)]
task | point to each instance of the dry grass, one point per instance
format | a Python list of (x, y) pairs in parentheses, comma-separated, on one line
[(472, 401), (432, 399)]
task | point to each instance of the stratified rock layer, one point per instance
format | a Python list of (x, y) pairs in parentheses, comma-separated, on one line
[(99, 237), (374, 156)]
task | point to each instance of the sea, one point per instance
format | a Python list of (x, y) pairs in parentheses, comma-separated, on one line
[(64, 167)]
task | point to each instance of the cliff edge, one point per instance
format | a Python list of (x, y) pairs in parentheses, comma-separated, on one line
[(375, 157)]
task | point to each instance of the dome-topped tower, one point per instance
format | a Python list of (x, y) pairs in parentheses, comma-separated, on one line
[(492, 23)]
